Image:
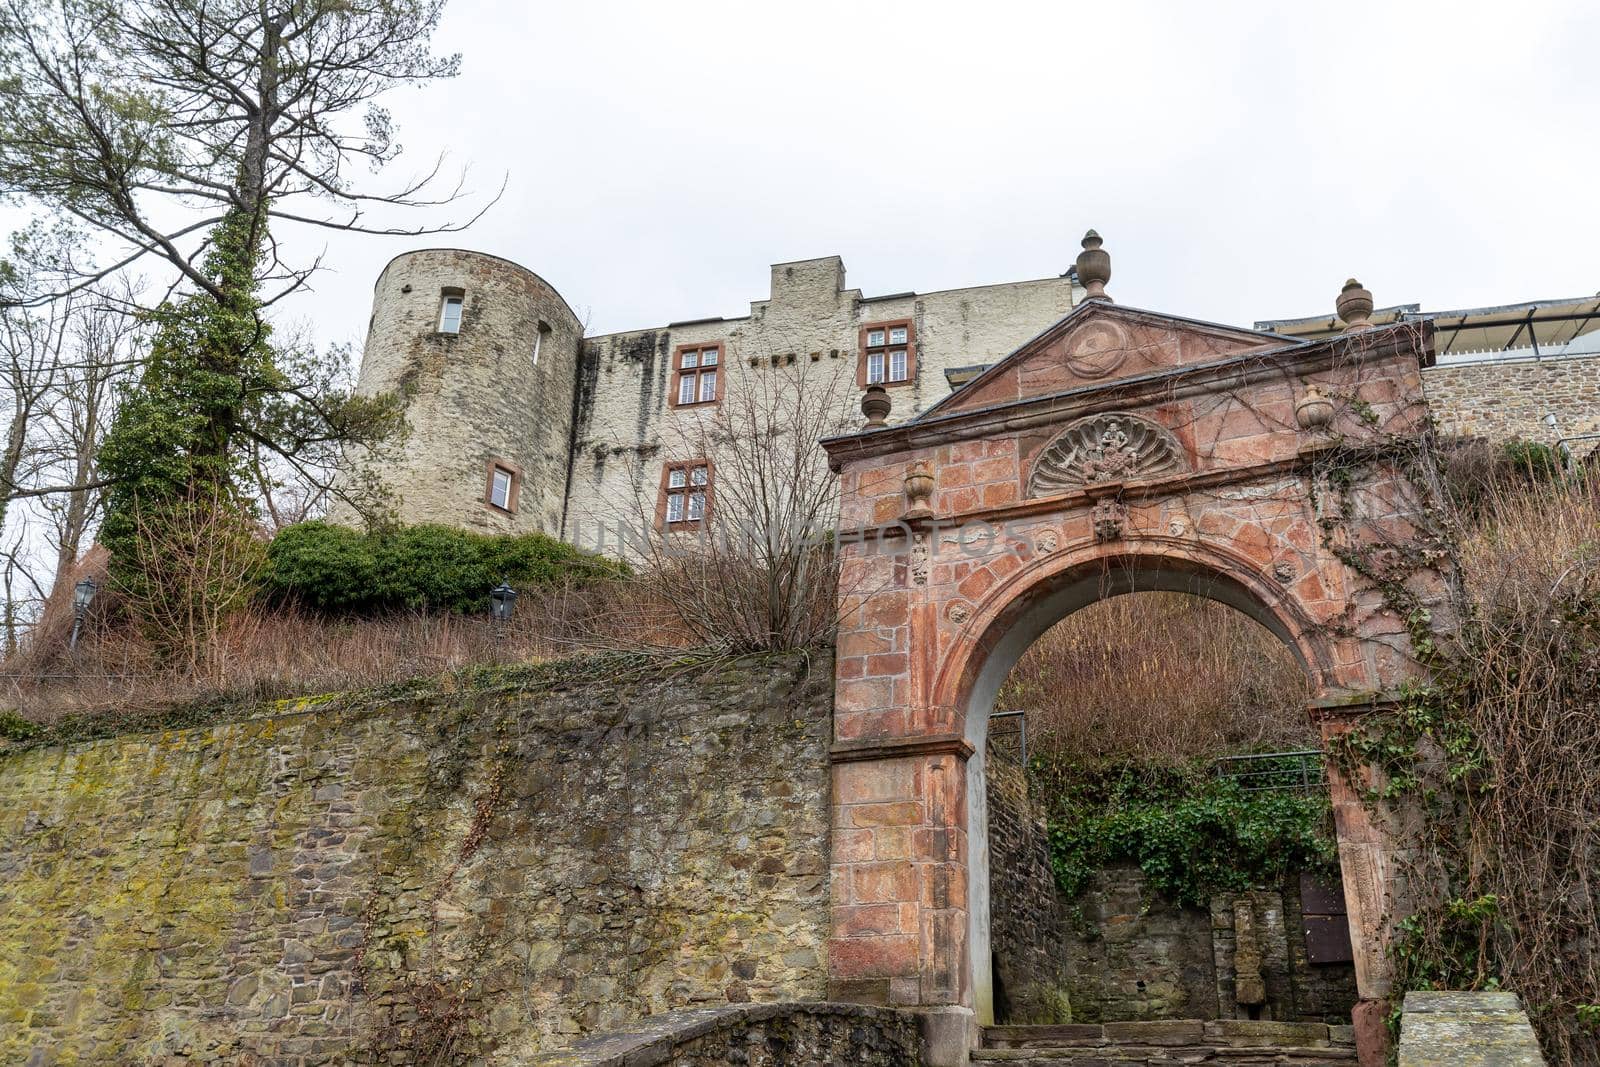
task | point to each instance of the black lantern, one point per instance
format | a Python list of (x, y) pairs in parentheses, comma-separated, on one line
[(502, 599), (82, 596)]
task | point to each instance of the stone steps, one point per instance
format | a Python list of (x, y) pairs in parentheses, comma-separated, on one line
[(1169, 1043)]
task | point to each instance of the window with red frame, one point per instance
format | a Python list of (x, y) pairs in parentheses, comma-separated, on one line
[(888, 354), (686, 493), (695, 370)]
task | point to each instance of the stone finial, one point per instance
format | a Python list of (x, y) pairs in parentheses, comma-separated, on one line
[(919, 492), (1313, 411), (1094, 267), (875, 406), (1354, 307)]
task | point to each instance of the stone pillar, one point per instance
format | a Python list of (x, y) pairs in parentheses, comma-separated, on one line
[(1370, 858), (900, 883)]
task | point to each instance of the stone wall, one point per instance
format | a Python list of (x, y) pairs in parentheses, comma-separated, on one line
[(1119, 953), (762, 1035), (1501, 400), (1134, 956), (502, 864), (1028, 934)]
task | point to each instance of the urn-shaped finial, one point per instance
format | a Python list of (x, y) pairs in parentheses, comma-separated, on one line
[(1094, 267), (919, 492), (1313, 411), (875, 406), (1354, 307)]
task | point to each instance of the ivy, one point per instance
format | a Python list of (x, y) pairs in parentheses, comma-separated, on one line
[(1191, 833)]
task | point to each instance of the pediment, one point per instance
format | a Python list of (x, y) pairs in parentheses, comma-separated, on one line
[(1099, 343)]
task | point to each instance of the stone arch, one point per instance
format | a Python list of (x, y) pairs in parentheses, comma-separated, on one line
[(1017, 613), (1184, 455)]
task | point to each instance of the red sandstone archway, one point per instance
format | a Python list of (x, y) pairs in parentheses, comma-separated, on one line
[(1119, 450)]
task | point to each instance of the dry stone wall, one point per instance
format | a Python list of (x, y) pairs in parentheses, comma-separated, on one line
[(502, 867)]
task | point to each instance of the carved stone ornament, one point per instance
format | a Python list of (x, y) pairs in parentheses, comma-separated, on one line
[(960, 612), (919, 559), (1110, 517), (1097, 348), (919, 492), (1047, 541), (1104, 448)]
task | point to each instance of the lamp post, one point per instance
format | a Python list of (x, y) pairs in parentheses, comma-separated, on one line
[(502, 600), (82, 595)]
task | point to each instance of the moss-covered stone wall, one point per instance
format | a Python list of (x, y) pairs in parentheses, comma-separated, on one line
[(501, 864)]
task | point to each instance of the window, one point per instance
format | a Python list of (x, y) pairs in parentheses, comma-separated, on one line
[(450, 311), (685, 493), (501, 490), (695, 369), (538, 341), (888, 354)]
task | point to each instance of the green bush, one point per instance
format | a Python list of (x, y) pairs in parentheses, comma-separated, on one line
[(334, 569), (1192, 833)]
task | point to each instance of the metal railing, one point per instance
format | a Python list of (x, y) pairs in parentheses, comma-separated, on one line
[(1016, 737), (1301, 771)]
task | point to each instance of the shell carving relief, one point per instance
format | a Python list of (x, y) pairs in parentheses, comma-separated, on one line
[(1104, 448)]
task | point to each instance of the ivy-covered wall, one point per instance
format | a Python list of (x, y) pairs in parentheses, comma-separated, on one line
[(503, 863)]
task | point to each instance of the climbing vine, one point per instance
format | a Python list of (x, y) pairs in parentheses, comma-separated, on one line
[(1191, 833), (1496, 744)]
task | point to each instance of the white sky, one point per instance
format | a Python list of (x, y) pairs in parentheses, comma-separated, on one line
[(1241, 160)]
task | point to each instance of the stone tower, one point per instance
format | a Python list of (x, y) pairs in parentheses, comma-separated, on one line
[(485, 354)]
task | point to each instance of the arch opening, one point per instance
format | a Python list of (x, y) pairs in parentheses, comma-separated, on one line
[(1018, 625)]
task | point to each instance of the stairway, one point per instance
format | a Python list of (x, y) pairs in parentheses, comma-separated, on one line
[(1169, 1043)]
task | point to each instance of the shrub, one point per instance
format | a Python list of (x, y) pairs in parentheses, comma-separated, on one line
[(1191, 833), (334, 569)]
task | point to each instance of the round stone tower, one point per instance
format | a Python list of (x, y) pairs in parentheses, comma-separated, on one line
[(484, 354)]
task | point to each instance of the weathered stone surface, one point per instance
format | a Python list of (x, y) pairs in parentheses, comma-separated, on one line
[(761, 1035), (316, 885), (1445, 1029), (473, 397), (1028, 920), (1501, 400)]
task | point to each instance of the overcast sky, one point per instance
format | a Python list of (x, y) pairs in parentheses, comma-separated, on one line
[(1240, 160)]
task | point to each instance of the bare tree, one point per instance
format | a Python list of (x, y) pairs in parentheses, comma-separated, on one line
[(739, 558)]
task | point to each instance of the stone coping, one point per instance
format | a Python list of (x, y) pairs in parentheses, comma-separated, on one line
[(656, 1038), (1458, 1029), (1214, 1033)]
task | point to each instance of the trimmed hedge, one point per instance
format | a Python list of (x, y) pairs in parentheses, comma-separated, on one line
[(336, 570)]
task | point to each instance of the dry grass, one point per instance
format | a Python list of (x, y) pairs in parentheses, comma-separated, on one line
[(264, 654), (1529, 694), (1159, 677)]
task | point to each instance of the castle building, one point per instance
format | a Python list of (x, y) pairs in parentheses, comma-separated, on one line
[(519, 423)]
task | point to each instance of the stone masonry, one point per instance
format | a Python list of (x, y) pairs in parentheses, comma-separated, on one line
[(509, 864), (589, 426)]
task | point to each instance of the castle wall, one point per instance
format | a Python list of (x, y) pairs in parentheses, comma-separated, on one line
[(804, 337), (497, 869), (473, 398), (1501, 400)]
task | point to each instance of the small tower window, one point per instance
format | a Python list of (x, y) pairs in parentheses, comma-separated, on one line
[(501, 491), (538, 340), (450, 311)]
